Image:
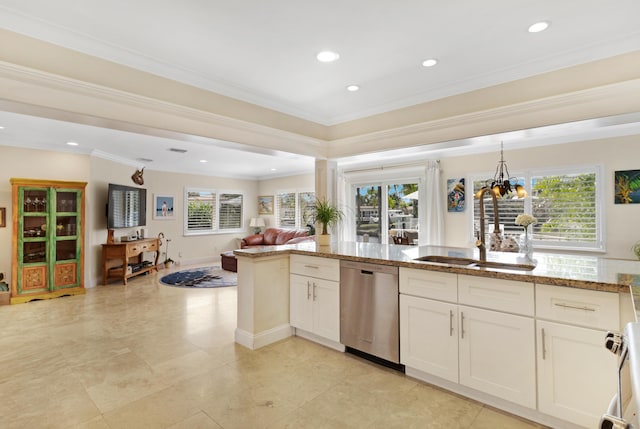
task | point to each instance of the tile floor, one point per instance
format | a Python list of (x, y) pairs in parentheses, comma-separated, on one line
[(153, 356)]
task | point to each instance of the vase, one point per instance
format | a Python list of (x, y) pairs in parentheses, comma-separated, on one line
[(324, 240), (526, 246)]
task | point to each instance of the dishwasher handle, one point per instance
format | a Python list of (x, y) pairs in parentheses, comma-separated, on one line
[(366, 272)]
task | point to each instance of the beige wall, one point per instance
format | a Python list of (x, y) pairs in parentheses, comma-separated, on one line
[(613, 154)]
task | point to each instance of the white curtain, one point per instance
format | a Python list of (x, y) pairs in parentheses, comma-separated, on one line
[(346, 232), (435, 198)]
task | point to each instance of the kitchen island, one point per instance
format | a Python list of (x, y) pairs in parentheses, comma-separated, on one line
[(529, 341)]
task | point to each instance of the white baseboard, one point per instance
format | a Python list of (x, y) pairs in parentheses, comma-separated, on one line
[(518, 410), (320, 340), (256, 341)]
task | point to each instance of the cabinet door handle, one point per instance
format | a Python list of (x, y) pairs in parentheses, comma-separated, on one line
[(544, 346), (308, 289), (451, 323), (461, 325), (575, 307), (314, 291), (315, 267)]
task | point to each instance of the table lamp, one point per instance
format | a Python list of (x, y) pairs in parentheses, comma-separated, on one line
[(257, 223)]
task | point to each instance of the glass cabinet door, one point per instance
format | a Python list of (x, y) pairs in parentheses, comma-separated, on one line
[(66, 225)]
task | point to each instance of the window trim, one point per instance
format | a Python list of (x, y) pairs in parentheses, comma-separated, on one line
[(600, 242), (215, 229)]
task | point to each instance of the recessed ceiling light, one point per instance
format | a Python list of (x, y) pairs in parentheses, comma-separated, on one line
[(203, 160), (274, 169), (1, 127), (539, 26), (72, 143), (430, 62), (353, 88), (327, 56)]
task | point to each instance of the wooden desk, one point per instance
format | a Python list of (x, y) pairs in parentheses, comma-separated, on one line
[(116, 257)]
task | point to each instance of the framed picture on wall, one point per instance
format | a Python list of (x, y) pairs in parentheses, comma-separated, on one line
[(163, 207), (455, 195), (265, 205)]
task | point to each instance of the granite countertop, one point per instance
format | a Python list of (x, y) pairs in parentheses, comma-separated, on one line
[(580, 271)]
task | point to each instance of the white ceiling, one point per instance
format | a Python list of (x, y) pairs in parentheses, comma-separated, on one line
[(264, 52)]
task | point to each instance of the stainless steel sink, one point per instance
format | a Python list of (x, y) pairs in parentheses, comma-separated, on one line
[(504, 265), (450, 260), (468, 262)]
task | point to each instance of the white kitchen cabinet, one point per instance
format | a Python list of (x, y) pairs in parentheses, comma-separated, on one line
[(576, 373), (315, 296), (429, 336), (325, 296), (301, 305), (497, 354), (486, 350)]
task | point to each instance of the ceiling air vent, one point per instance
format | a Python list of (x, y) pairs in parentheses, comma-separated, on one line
[(144, 159), (173, 149)]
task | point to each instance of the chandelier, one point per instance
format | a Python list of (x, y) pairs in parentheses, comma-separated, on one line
[(502, 183)]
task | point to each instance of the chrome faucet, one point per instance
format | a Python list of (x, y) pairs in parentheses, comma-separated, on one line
[(480, 242)]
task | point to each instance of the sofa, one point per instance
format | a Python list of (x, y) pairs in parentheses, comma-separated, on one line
[(276, 236)]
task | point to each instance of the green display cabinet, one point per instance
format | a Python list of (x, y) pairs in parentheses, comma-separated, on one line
[(48, 239)]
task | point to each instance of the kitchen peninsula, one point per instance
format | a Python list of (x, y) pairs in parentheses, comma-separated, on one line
[(530, 342)]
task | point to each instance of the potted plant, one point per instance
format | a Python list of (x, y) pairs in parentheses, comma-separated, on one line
[(327, 215)]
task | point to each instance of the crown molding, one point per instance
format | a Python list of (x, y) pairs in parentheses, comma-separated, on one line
[(38, 88), (607, 100)]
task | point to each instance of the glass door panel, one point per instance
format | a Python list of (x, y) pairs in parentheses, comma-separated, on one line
[(35, 252), (66, 226), (368, 213), (34, 226), (66, 202), (34, 201), (65, 250), (403, 213)]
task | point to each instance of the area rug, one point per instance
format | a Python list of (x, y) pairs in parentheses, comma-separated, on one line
[(203, 277)]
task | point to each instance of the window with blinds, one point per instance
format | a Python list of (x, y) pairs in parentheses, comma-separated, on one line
[(230, 212), (200, 211), (566, 206), (294, 209), (208, 211)]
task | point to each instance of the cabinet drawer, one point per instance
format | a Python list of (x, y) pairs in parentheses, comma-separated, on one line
[(150, 247), (589, 308), (134, 250), (429, 284), (313, 266), (505, 295)]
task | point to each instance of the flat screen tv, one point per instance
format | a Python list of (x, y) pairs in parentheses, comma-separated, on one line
[(126, 207)]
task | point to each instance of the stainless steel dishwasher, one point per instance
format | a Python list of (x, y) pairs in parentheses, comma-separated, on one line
[(369, 309)]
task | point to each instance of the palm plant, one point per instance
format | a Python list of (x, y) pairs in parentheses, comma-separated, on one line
[(327, 214)]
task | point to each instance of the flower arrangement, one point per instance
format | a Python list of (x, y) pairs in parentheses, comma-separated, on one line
[(524, 220)]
